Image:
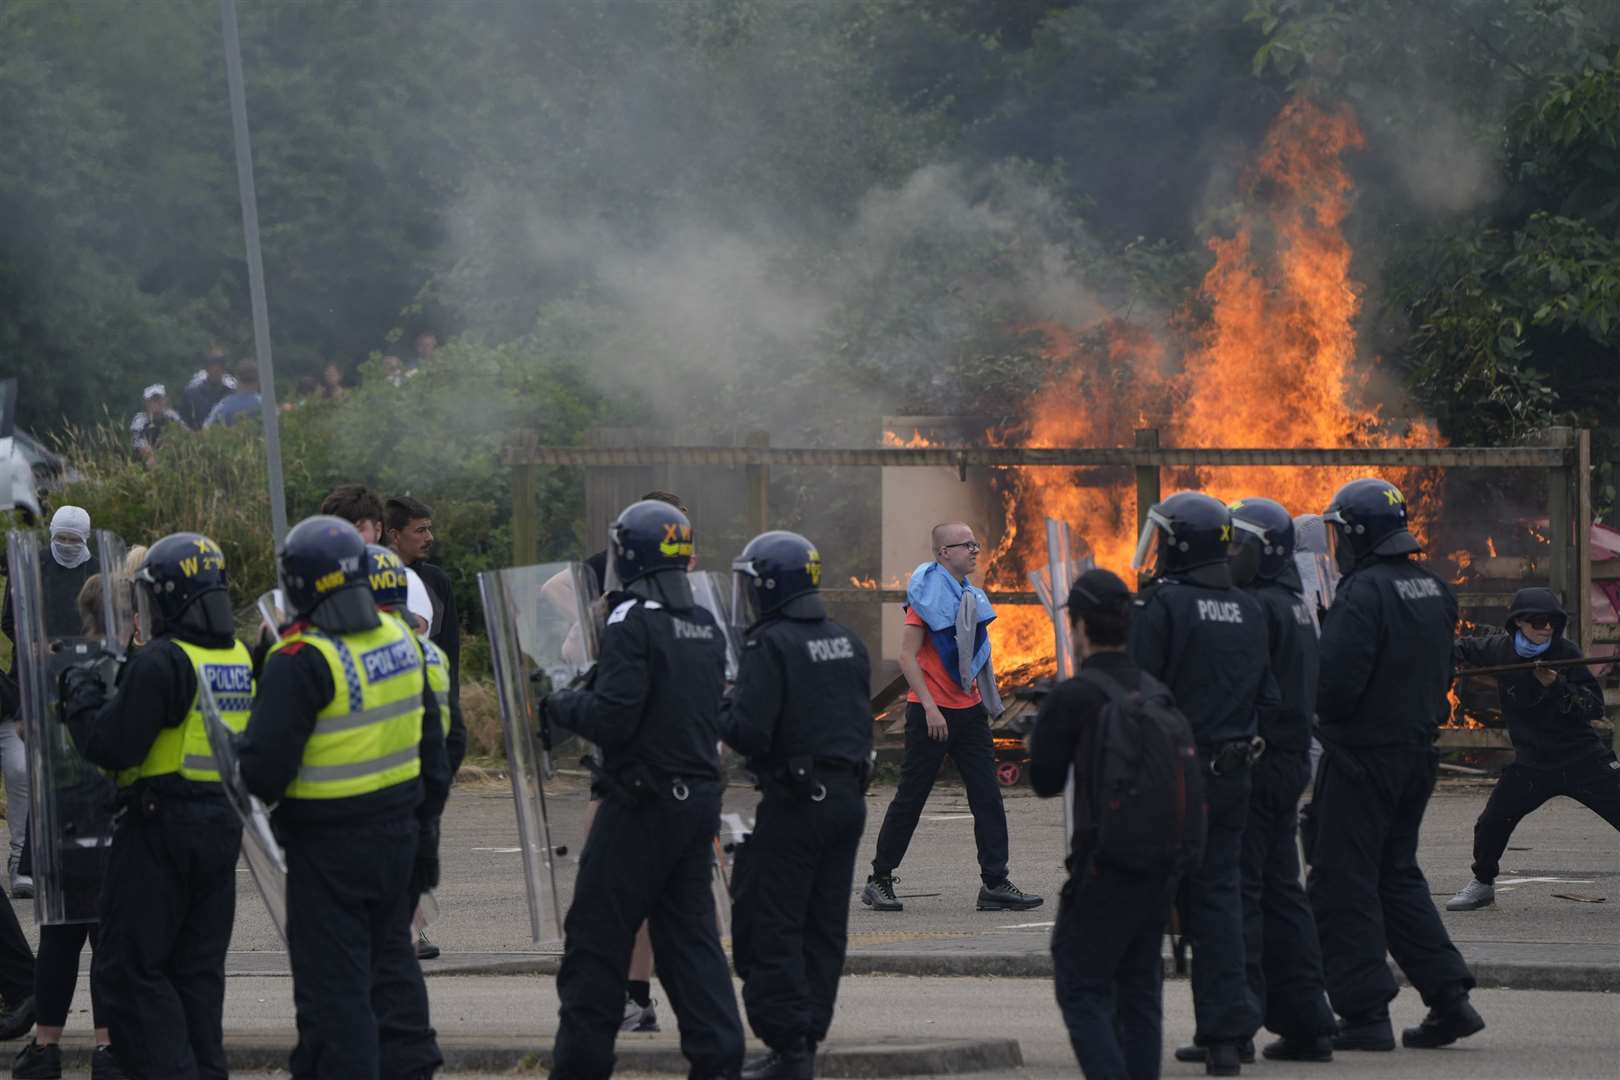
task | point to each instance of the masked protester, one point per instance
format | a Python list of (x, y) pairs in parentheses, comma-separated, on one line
[(346, 737), (1549, 715), (165, 925), (652, 707), (1206, 639), (1281, 951), (801, 714), (1386, 666)]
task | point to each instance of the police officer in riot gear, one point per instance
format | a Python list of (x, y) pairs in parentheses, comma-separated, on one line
[(1386, 666), (801, 713), (652, 707), (167, 913), (390, 586), (346, 736), (1206, 640), (1279, 935)]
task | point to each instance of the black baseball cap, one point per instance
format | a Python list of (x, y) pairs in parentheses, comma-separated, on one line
[(1097, 590)]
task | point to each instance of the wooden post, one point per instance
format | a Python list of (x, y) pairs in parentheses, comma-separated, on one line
[(758, 487), (1583, 535), (1147, 476), (525, 515), (1560, 540)]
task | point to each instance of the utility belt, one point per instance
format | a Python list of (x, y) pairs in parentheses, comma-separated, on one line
[(1228, 757), (639, 784), (805, 777)]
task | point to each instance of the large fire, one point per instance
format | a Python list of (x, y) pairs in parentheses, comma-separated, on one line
[(1272, 365)]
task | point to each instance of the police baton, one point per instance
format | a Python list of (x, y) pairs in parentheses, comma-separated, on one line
[(1533, 665)]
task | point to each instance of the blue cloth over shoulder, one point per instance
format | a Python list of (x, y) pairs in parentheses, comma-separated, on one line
[(937, 598)]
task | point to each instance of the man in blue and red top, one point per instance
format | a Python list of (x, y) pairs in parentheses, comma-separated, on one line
[(945, 657)]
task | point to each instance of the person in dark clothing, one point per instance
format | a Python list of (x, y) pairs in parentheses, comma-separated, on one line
[(1549, 715), (206, 389), (802, 716), (1110, 922), (652, 707), (1207, 641), (408, 529), (1281, 949), (1386, 666), (160, 957), (345, 738), (951, 701)]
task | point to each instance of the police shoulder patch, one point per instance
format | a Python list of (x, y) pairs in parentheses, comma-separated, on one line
[(621, 611)]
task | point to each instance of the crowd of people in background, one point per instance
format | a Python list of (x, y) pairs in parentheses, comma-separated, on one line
[(216, 397)]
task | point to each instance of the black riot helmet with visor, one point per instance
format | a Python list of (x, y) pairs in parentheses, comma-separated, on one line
[(778, 574), (184, 586), (323, 569), (1262, 542), (385, 573), (1367, 518), (650, 549), (1188, 533)]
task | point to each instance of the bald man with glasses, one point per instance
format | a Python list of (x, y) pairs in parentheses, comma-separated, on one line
[(945, 658)]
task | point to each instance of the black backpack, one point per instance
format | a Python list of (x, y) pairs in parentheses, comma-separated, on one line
[(1145, 798)]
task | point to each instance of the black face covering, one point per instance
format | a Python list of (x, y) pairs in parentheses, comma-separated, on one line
[(347, 611), (210, 615), (1245, 562)]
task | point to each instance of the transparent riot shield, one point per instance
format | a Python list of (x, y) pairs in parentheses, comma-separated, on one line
[(121, 617), (267, 863), (709, 590), (542, 633), (70, 800), (273, 613), (1063, 566)]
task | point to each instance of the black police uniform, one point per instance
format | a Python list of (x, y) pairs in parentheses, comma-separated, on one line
[(1283, 955), (653, 710), (160, 953), (1386, 667), (1110, 922), (802, 715), (1207, 641), (1558, 752)]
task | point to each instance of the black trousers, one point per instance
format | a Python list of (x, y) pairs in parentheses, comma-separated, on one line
[(1366, 888), (653, 863), (16, 958), (969, 744), (56, 974), (1108, 972), (357, 986), (1594, 784), (1281, 950), (1212, 917), (790, 907), (167, 908)]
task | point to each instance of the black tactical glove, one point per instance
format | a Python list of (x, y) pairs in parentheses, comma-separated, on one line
[(425, 877), (80, 689), (540, 686)]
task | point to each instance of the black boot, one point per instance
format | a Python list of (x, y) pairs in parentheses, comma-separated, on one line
[(1443, 1026), (36, 1062), (1223, 1060), (1369, 1031), (1198, 1053), (795, 1061), (1287, 1048)]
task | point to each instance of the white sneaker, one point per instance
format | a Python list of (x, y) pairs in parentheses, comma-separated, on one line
[(637, 1018), (1475, 895)]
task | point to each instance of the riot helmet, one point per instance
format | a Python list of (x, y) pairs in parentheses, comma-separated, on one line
[(1367, 518), (649, 550), (385, 573), (778, 573), (1262, 541), (1187, 531), (323, 567), (185, 585)]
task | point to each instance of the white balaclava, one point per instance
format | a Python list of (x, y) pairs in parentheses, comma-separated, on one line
[(70, 522)]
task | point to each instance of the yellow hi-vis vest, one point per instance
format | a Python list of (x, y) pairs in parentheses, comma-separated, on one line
[(368, 736), (438, 671), (185, 749)]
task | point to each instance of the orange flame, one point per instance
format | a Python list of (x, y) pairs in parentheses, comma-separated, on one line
[(1274, 365), (917, 440), (1490, 545)]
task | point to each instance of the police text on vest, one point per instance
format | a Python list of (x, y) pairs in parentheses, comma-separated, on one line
[(1227, 611), (1418, 589), (837, 648)]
